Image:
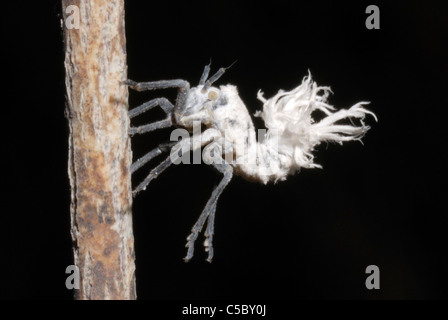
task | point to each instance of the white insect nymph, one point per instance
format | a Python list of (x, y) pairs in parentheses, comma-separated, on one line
[(291, 136)]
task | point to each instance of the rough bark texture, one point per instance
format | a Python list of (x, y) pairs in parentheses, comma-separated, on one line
[(99, 150)]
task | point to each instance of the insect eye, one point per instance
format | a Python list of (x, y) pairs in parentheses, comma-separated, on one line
[(213, 95)]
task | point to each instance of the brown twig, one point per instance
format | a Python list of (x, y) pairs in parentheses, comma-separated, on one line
[(99, 149)]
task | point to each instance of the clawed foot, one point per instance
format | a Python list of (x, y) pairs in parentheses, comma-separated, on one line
[(130, 83)]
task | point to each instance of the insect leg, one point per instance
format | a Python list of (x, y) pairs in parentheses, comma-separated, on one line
[(152, 175), (161, 167), (227, 170), (208, 243), (162, 102), (187, 144), (150, 155), (154, 85), (209, 212), (151, 127)]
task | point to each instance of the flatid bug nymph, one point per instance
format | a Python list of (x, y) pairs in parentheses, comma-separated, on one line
[(289, 140)]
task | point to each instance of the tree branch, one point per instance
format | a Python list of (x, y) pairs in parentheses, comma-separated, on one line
[(99, 149)]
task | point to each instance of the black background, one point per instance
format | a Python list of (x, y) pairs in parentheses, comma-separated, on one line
[(309, 237)]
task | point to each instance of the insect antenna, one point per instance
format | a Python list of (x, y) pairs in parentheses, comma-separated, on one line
[(205, 73), (215, 77)]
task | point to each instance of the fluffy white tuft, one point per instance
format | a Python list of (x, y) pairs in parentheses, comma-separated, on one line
[(288, 118)]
